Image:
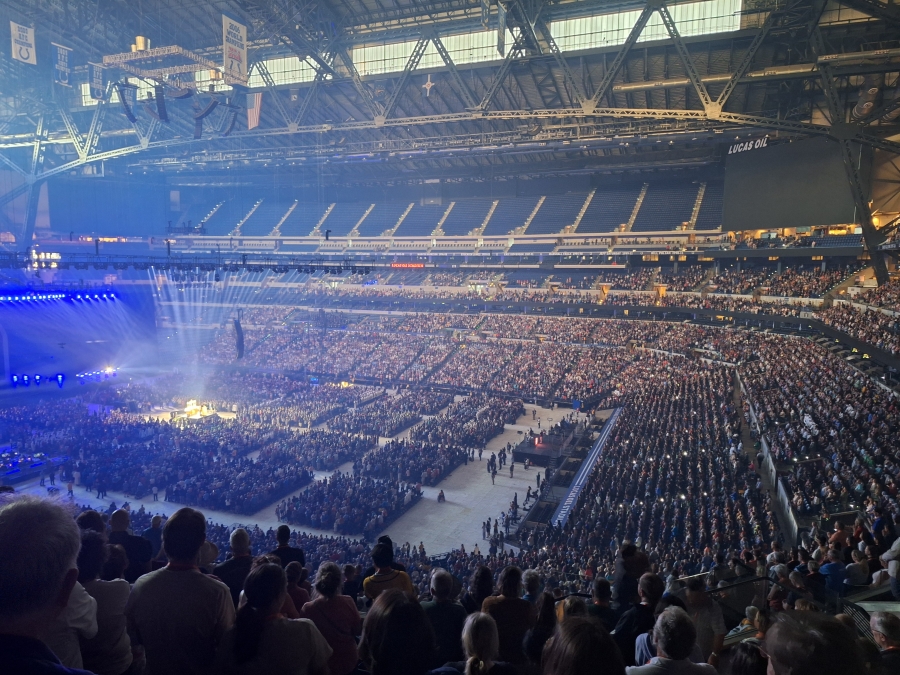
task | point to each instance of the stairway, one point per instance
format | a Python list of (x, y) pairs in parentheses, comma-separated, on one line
[(276, 231), (637, 207), (390, 232), (584, 207), (439, 230), (317, 230), (696, 212), (537, 207), (478, 231), (355, 231), (236, 232)]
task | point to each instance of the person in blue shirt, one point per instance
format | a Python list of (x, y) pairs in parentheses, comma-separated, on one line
[(834, 571)]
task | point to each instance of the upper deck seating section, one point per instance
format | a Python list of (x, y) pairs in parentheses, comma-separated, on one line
[(510, 213), (608, 209), (666, 206)]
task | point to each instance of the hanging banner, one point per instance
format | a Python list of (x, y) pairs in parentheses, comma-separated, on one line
[(23, 43), (501, 29), (234, 51), (95, 82), (61, 64), (486, 13)]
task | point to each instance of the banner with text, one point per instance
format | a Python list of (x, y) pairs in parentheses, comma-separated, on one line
[(234, 51), (61, 64), (95, 81), (23, 43)]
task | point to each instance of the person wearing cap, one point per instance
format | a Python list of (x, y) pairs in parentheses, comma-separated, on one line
[(385, 576)]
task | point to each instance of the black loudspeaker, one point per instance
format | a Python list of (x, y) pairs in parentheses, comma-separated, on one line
[(239, 338)]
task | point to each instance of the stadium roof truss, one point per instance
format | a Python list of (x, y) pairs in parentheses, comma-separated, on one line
[(790, 68)]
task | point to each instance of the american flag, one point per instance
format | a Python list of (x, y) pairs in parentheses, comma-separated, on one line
[(254, 105)]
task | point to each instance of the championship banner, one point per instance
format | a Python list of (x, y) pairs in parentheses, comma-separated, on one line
[(486, 13), (95, 82), (61, 64), (234, 51), (501, 29), (23, 43)]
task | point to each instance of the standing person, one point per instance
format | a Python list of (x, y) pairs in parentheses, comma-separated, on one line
[(544, 627), (581, 646), (262, 640), (481, 586), (385, 576), (601, 594), (285, 552), (674, 636), (109, 651), (336, 617), (138, 549), (447, 617), (639, 619), (811, 643), (33, 596), (482, 647), (708, 620), (153, 534), (886, 633), (396, 637), (294, 573), (177, 614), (514, 615), (233, 572)]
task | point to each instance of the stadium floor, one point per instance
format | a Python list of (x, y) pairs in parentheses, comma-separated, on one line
[(471, 498)]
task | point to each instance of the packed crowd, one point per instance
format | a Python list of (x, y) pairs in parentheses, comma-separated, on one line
[(886, 296), (869, 325), (687, 278), (806, 282), (389, 415), (740, 281)]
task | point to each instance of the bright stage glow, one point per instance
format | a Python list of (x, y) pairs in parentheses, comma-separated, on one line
[(38, 296)]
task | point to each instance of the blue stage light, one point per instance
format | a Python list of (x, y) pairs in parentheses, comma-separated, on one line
[(15, 381), (37, 380), (59, 379), (25, 380)]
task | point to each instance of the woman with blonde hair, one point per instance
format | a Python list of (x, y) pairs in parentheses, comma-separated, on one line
[(481, 643)]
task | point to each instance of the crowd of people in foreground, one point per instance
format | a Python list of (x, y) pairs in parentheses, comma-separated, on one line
[(80, 611)]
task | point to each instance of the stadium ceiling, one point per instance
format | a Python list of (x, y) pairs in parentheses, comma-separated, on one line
[(790, 70)]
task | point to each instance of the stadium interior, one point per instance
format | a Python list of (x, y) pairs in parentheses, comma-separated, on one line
[(522, 337)]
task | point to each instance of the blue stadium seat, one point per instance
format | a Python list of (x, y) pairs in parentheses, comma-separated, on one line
[(466, 215), (666, 206), (556, 213), (421, 221), (383, 217), (710, 216), (608, 209), (510, 214), (303, 219), (265, 218)]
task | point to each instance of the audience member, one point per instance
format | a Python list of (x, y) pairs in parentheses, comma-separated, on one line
[(639, 618), (811, 643), (262, 641), (513, 615), (385, 577), (446, 616), (336, 617), (674, 636), (177, 614), (582, 646), (396, 636), (886, 632), (234, 571)]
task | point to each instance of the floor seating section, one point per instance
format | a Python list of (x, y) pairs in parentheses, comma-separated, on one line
[(665, 207), (608, 209), (556, 213)]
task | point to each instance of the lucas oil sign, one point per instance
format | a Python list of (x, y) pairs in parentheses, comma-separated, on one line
[(748, 145)]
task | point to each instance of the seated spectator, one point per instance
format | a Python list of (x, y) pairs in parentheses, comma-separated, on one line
[(834, 572), (886, 633), (858, 570), (601, 594), (138, 549), (177, 614), (386, 576), (481, 586), (263, 641), (446, 616), (396, 636), (285, 552), (336, 617), (295, 574), (234, 571), (811, 643), (513, 615), (639, 619), (747, 659), (674, 636), (582, 646), (109, 651), (39, 544), (544, 627)]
